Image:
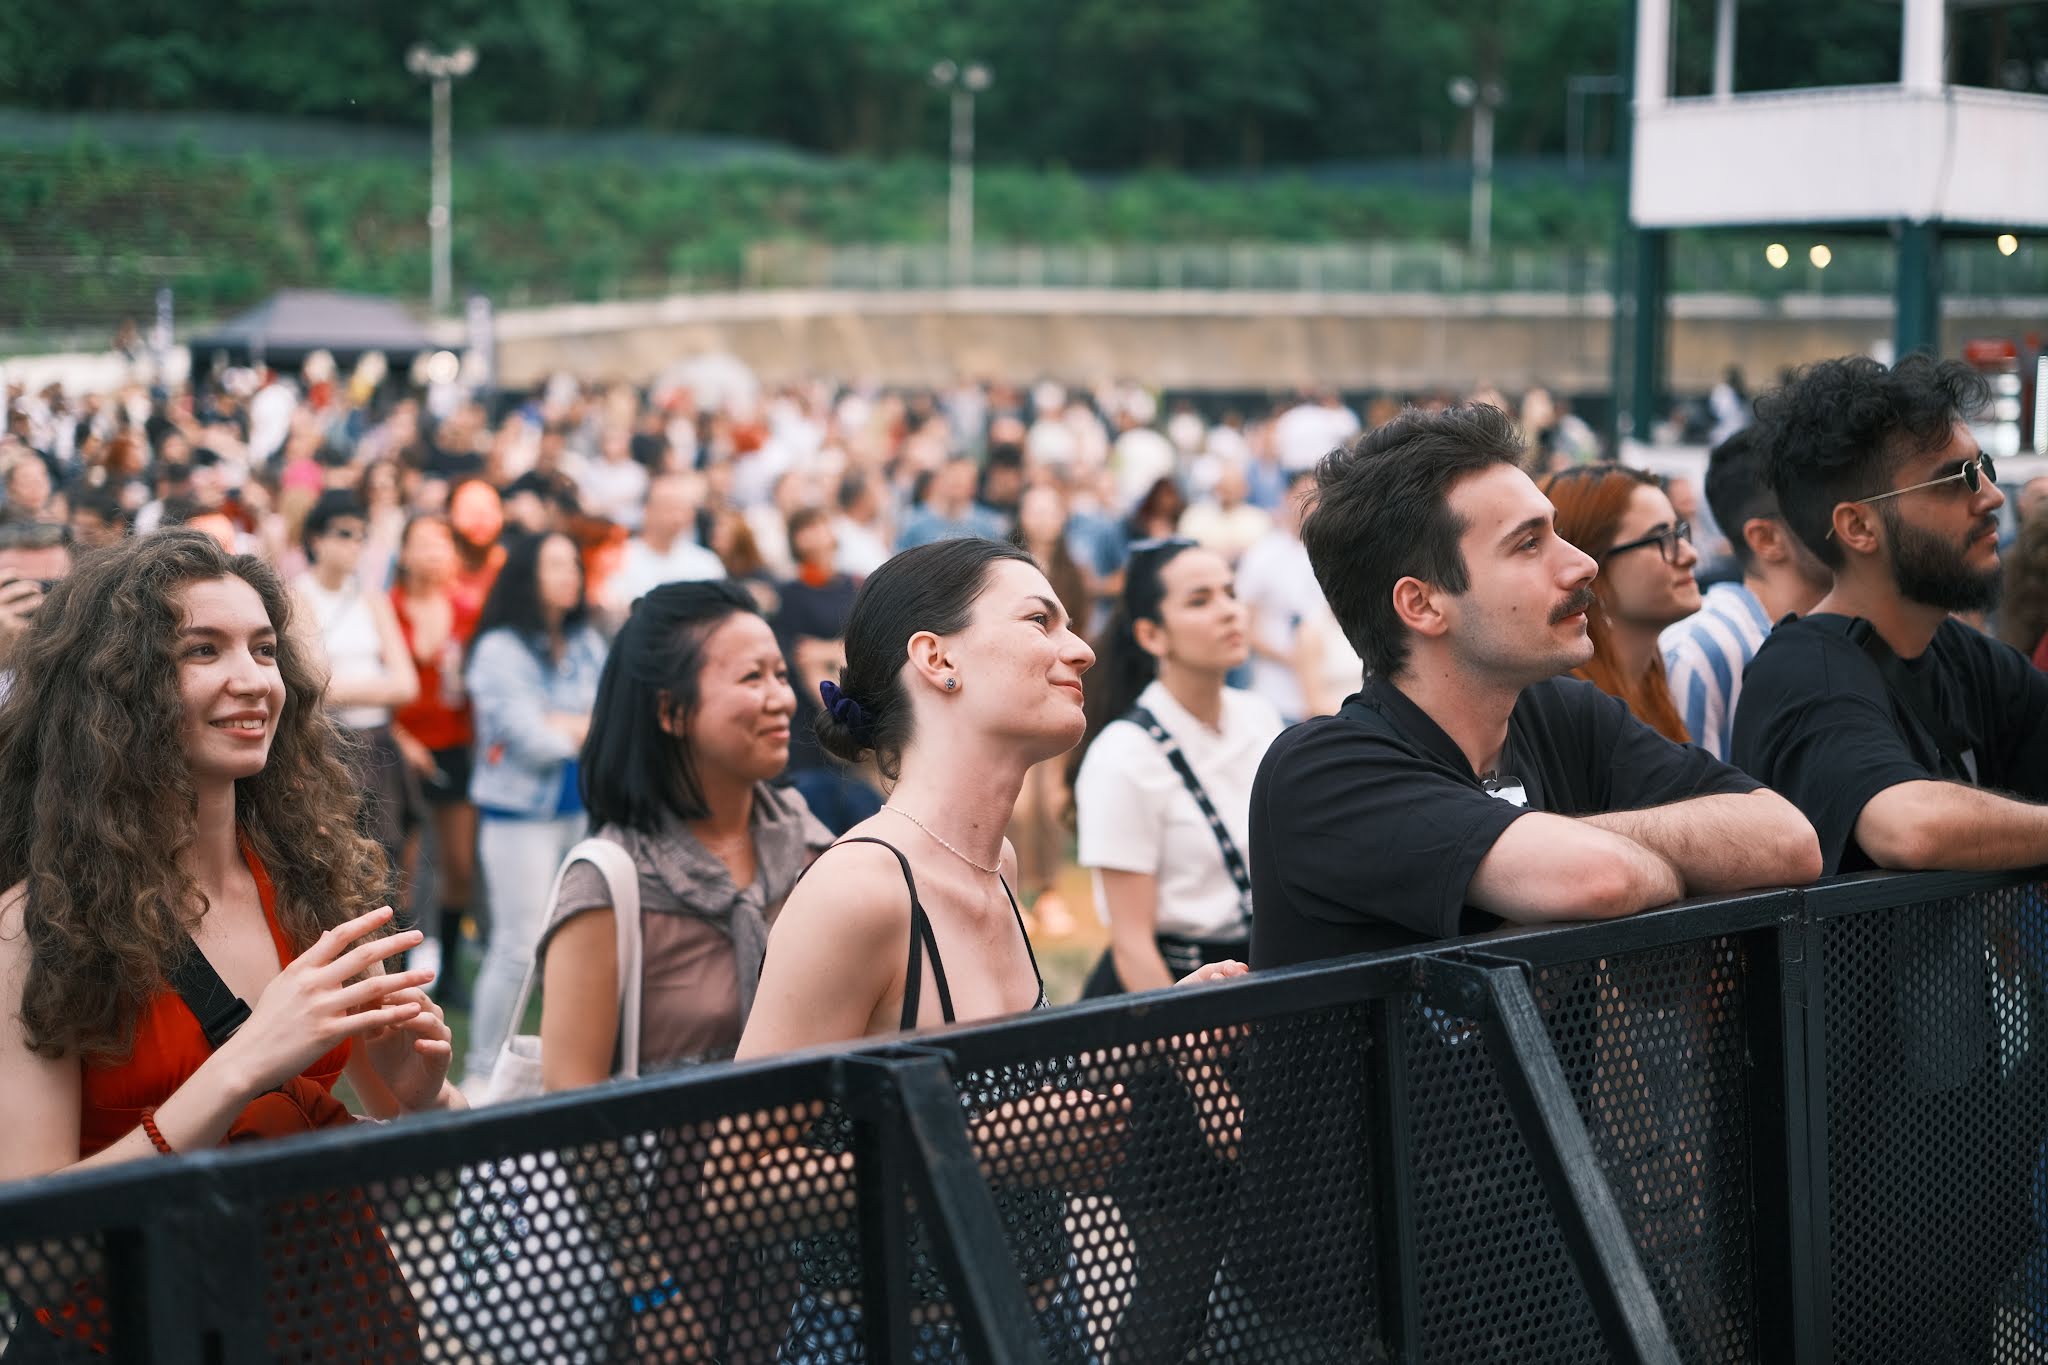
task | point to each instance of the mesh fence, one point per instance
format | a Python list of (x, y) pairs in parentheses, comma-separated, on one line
[(1316, 1169), (1653, 1047), (1936, 1047)]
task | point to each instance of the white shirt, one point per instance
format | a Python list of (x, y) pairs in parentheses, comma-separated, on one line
[(645, 569), (616, 491), (1134, 814), (1308, 431), (1277, 582)]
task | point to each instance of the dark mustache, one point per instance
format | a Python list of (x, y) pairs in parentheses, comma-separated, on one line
[(1580, 600)]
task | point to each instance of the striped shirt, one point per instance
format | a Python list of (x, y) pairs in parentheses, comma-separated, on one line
[(1704, 656)]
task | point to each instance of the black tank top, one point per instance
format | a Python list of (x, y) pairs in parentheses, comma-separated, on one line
[(922, 938)]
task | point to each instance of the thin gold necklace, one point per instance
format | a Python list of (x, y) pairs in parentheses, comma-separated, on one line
[(988, 871)]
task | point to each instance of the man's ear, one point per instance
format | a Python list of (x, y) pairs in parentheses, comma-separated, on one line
[(1767, 540), (1420, 608), (1857, 527)]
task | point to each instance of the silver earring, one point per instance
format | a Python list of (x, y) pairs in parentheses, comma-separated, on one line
[(952, 683)]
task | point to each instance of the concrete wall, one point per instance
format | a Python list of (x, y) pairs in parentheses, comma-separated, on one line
[(1194, 339)]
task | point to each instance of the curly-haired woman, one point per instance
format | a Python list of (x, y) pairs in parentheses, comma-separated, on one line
[(173, 807)]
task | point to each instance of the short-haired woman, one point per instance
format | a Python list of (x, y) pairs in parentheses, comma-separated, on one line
[(691, 723), (532, 678), (180, 829)]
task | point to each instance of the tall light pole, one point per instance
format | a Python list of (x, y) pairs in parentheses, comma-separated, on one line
[(1482, 99), (965, 83), (443, 69)]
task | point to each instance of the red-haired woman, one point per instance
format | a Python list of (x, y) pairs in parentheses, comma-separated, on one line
[(1624, 520)]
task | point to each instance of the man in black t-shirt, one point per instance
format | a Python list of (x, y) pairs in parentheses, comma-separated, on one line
[(1468, 783), (1909, 739)]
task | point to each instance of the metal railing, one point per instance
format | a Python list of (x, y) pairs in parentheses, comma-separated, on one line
[(1856, 266), (1795, 1126)]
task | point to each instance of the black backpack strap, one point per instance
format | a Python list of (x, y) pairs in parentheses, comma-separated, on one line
[(1958, 754), (219, 1010), (1233, 861)]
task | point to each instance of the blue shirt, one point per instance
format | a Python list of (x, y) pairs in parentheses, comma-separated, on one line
[(1704, 656)]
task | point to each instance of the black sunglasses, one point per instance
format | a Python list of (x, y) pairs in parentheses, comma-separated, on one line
[(1666, 540), (1972, 474)]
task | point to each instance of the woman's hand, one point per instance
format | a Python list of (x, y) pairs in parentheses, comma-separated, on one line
[(411, 1057), (1214, 971), (417, 756), (316, 1002)]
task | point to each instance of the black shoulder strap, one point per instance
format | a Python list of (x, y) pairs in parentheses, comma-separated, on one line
[(1233, 861), (219, 1010), (921, 936), (1958, 755)]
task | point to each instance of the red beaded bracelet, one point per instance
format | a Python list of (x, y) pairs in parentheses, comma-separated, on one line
[(149, 1127)]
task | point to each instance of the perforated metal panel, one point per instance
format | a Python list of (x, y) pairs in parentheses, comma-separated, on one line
[(53, 1298), (1936, 1058), (1652, 1044), (1192, 1197)]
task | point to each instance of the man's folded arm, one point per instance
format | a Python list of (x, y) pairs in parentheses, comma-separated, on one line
[(1911, 826), (1547, 867), (1725, 842)]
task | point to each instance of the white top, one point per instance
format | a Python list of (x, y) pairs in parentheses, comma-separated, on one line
[(1308, 431), (1276, 581), (614, 490), (355, 649), (644, 569), (1135, 814)]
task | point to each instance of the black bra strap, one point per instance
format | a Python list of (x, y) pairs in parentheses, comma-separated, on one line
[(921, 937), (219, 1010), (1023, 933)]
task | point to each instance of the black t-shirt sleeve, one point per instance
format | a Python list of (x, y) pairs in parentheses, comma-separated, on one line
[(1361, 829), (1816, 725), (1644, 768)]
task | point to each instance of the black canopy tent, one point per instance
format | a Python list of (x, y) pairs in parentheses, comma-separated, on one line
[(293, 323)]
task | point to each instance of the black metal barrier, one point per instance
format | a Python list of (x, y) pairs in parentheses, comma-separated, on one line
[(1790, 1127)]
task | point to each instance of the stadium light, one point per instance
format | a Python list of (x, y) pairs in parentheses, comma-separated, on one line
[(1777, 255), (2007, 244), (1820, 256), (1482, 98), (443, 69), (964, 83)]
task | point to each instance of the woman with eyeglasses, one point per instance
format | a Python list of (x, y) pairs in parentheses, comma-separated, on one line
[(354, 633), (1624, 520)]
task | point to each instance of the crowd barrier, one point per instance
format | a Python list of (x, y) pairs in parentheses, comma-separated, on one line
[(1799, 1126)]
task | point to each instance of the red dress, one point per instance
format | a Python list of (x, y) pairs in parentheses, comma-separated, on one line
[(334, 1292)]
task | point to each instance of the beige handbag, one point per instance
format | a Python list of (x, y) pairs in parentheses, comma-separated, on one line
[(517, 1075)]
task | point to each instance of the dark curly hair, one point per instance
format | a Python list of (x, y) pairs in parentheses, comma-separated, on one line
[(1382, 512), (1840, 430), (99, 803), (931, 587)]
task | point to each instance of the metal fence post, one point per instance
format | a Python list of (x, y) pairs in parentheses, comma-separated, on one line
[(911, 1138), (1497, 994)]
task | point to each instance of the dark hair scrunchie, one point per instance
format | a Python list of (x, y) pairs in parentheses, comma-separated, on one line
[(847, 712)]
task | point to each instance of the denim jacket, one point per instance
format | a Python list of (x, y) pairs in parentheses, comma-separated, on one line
[(512, 687)]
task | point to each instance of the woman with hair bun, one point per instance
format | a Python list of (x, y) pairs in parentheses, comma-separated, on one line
[(962, 671)]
